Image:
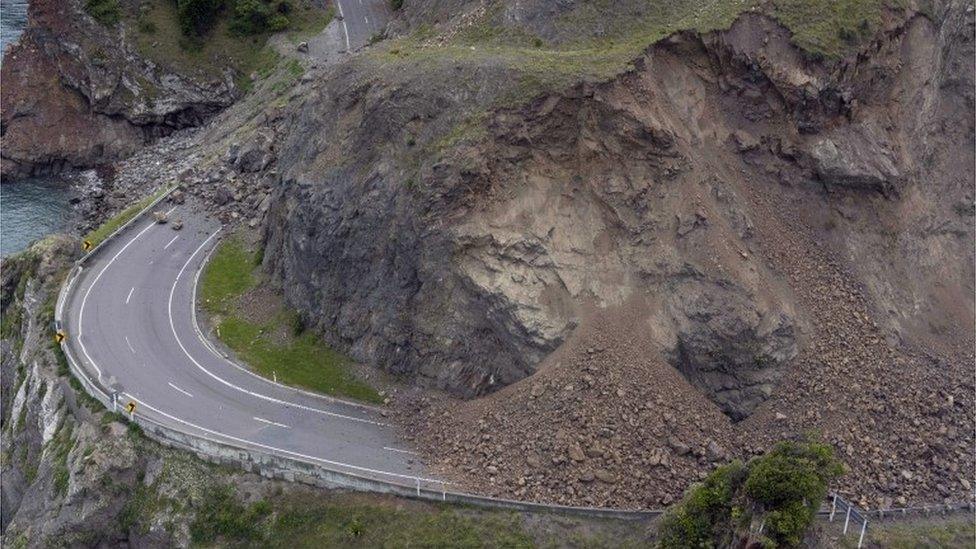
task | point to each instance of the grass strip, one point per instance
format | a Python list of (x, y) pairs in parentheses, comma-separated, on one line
[(277, 348), (110, 226)]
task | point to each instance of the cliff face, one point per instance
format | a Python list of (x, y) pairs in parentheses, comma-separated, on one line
[(735, 234), (472, 266), (77, 93)]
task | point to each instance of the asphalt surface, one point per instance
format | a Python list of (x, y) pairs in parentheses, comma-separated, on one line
[(361, 19), (130, 320)]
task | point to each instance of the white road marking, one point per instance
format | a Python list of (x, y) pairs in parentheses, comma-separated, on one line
[(345, 29), (84, 300), (223, 356), (269, 422), (179, 342), (171, 210), (288, 452), (171, 242), (180, 390), (210, 431), (129, 344), (401, 451), (128, 297)]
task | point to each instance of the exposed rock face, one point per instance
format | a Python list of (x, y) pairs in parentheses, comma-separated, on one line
[(828, 221), (71, 474), (473, 258), (728, 347), (76, 93)]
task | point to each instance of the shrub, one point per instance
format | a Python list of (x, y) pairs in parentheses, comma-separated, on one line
[(222, 516), (396, 4), (197, 17), (781, 489), (703, 516), (259, 16), (106, 12)]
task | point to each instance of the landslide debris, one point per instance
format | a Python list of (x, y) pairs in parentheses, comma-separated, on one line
[(731, 242)]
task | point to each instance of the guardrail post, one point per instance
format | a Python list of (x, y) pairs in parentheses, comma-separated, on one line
[(833, 507), (443, 491), (864, 527), (847, 519), (418, 486)]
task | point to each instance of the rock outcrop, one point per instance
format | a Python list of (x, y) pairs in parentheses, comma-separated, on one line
[(78, 93), (790, 237)]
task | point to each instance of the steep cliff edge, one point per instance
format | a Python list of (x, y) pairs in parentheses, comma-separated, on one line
[(78, 92), (749, 239)]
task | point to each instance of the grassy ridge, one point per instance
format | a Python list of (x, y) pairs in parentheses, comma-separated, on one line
[(277, 347), (605, 37)]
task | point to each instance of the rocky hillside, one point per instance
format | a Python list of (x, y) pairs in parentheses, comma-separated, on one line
[(630, 244), (76, 475), (79, 91), (750, 232)]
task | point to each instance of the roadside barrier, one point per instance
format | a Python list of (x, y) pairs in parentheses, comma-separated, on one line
[(275, 464)]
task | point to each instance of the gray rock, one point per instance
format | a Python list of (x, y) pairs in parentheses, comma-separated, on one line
[(256, 154), (728, 346), (856, 162), (223, 195)]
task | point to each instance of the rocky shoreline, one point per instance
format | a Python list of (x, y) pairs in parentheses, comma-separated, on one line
[(77, 93)]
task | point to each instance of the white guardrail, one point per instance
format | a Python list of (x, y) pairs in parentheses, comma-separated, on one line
[(273, 464)]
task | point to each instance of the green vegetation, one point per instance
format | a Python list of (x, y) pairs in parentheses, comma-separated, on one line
[(276, 346), (396, 4), (259, 16), (957, 532), (106, 12), (229, 274), (107, 228), (61, 446), (208, 54), (595, 47), (829, 28), (781, 489), (306, 521), (197, 17), (247, 17), (222, 516)]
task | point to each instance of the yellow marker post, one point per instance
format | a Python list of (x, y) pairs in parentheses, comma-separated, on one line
[(59, 336), (131, 408), (86, 245)]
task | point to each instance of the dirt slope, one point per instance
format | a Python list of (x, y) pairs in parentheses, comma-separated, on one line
[(754, 242)]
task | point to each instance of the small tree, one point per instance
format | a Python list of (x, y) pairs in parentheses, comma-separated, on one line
[(197, 17), (259, 16), (781, 490)]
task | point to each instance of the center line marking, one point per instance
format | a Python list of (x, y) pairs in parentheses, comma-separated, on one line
[(180, 390), (401, 451), (276, 424), (171, 210), (128, 297), (129, 344), (171, 241)]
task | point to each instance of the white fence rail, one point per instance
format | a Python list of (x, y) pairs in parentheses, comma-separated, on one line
[(277, 465)]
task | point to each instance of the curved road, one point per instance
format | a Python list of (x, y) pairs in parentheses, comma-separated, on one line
[(361, 19), (131, 322)]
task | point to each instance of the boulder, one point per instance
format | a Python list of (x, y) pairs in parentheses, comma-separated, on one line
[(256, 154)]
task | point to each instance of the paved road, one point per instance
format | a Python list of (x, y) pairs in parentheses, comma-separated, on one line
[(361, 19), (130, 320)]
